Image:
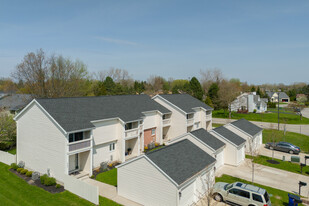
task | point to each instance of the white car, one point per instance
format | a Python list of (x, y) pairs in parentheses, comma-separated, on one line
[(241, 194)]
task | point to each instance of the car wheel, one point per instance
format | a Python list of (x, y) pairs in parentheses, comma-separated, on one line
[(271, 148), (291, 152), (218, 197)]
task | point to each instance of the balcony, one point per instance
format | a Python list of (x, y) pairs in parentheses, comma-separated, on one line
[(208, 117), (166, 122), (190, 121), (73, 146), (131, 133)]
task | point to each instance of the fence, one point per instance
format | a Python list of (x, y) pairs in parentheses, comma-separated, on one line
[(7, 158), (82, 189)]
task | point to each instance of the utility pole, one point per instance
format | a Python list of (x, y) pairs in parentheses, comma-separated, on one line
[(278, 113)]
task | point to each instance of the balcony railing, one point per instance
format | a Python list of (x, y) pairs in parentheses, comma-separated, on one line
[(79, 145), (131, 133), (166, 122), (190, 121)]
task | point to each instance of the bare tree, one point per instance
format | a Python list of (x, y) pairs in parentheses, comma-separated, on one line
[(253, 151), (228, 92), (210, 76), (205, 194)]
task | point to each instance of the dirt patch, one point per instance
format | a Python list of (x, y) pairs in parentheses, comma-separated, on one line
[(278, 197), (52, 189), (273, 162)]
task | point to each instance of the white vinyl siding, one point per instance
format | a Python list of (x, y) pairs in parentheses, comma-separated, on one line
[(187, 195), (40, 143), (220, 159), (141, 182), (102, 153)]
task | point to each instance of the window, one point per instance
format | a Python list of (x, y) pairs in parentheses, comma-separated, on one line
[(257, 197), (112, 147), (76, 137), (197, 125), (153, 132), (243, 193), (129, 126), (234, 191)]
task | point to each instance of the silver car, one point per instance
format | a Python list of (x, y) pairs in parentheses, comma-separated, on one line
[(241, 194)]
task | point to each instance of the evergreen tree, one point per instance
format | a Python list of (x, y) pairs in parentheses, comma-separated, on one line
[(253, 89), (209, 102), (213, 95), (196, 88), (109, 85), (99, 89)]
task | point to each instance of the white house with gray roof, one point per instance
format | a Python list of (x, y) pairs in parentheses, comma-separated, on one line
[(187, 114), (68, 135), (207, 142), (249, 102), (234, 152), (177, 174), (249, 131)]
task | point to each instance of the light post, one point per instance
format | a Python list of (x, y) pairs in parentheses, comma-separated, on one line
[(278, 112)]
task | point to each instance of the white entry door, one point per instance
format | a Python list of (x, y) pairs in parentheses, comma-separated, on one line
[(73, 162)]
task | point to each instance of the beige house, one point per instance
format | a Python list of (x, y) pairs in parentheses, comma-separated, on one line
[(69, 135), (187, 114)]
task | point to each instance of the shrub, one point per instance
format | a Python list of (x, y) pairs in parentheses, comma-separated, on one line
[(29, 174), (19, 169), (254, 111), (23, 171), (14, 166), (157, 144), (58, 186), (110, 164), (92, 177), (145, 148), (5, 145), (48, 181)]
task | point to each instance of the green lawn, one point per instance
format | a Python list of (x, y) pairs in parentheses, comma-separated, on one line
[(216, 125), (12, 151), (297, 139), (108, 177), (264, 117), (278, 197), (16, 191), (284, 165)]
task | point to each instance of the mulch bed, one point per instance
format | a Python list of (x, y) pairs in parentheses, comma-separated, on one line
[(273, 162), (51, 189)]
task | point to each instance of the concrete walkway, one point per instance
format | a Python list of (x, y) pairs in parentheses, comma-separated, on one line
[(110, 192), (305, 112), (268, 176), (298, 128)]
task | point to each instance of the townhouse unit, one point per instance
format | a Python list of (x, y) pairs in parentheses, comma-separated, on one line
[(250, 132), (177, 174), (187, 114), (207, 142), (234, 153), (67, 135)]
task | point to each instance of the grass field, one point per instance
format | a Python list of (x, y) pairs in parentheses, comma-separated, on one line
[(16, 191), (263, 117), (277, 197), (216, 125), (108, 177), (284, 165), (297, 139), (12, 151)]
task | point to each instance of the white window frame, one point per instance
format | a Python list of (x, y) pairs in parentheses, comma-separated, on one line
[(153, 132), (112, 147)]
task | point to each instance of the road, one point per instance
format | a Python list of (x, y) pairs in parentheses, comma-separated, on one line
[(302, 129)]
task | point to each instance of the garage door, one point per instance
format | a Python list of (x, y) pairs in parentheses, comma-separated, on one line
[(187, 195), (220, 159)]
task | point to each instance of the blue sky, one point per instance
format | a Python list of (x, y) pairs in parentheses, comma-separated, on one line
[(255, 41)]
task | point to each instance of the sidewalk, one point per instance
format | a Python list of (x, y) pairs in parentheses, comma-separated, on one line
[(268, 176), (110, 192), (298, 128)]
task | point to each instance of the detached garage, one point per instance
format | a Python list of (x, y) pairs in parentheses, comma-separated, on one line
[(207, 142), (249, 131), (234, 152), (177, 174)]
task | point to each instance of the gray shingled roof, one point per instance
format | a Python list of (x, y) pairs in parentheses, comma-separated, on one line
[(185, 102), (181, 160), (15, 101), (231, 136), (281, 94), (247, 126), (208, 139), (76, 113)]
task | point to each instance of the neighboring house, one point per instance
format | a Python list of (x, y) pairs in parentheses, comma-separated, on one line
[(177, 174), (283, 97), (14, 102), (249, 131), (207, 142), (67, 135), (234, 152), (188, 114), (249, 102)]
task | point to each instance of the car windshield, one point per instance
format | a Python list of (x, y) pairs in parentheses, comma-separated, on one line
[(228, 186), (266, 197)]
